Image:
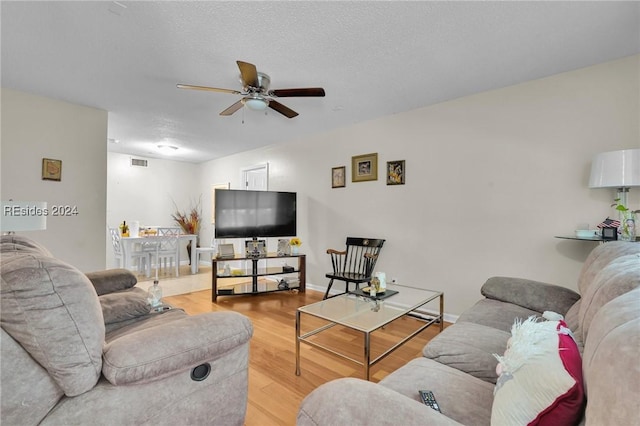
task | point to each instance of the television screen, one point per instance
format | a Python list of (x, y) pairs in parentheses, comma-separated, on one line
[(253, 214)]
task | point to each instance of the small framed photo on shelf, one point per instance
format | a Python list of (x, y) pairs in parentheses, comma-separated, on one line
[(338, 177), (609, 233), (284, 249), (395, 172), (51, 169), (364, 167)]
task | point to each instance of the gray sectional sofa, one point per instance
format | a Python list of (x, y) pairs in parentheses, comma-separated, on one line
[(460, 368), (82, 349)]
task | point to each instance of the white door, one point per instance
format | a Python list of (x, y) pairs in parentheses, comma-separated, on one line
[(256, 178)]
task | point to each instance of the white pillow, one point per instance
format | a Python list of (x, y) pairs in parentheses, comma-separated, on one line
[(540, 376)]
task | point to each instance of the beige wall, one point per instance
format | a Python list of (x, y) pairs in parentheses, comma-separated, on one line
[(490, 180), (33, 128)]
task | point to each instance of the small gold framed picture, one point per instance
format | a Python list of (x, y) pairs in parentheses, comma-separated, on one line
[(338, 177), (364, 167), (395, 172), (51, 169)]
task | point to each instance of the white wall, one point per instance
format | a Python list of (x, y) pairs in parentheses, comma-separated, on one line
[(491, 178), (33, 128), (147, 194)]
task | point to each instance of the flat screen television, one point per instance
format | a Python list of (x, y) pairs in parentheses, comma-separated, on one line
[(254, 214)]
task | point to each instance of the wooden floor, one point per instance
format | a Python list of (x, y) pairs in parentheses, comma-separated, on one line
[(275, 392)]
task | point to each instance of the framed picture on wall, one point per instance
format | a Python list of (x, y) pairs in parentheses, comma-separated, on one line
[(395, 172), (338, 177), (364, 167), (51, 169)]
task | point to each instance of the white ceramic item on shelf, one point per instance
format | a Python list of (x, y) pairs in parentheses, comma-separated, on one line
[(585, 233)]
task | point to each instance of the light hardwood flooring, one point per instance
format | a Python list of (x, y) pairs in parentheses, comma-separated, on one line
[(275, 392)]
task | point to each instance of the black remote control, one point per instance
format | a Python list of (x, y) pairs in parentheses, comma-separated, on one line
[(429, 399)]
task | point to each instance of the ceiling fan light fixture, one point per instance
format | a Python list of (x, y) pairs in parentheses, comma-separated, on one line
[(256, 104)]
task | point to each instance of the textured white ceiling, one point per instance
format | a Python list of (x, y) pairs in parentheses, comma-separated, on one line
[(372, 58)]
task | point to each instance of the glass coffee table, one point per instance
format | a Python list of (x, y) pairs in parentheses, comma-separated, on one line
[(367, 315)]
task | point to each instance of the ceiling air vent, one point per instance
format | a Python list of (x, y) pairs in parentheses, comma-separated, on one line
[(139, 162)]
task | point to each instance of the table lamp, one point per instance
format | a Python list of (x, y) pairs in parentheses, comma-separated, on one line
[(616, 169), (23, 216)]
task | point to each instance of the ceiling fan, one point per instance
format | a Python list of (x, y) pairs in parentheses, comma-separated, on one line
[(256, 93)]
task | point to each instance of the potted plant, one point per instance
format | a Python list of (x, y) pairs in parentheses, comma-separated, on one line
[(627, 229), (295, 244), (189, 221)]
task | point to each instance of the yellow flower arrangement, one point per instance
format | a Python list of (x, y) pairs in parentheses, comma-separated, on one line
[(295, 241)]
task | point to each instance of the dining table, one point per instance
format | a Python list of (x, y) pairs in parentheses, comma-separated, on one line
[(129, 244)]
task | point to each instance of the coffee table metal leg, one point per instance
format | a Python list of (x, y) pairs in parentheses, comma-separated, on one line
[(297, 343), (367, 354), (441, 311)]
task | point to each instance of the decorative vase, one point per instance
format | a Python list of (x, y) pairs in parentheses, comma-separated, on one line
[(295, 250), (627, 229)]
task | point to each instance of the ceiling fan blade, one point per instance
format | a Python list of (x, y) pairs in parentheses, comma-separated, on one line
[(249, 73), (305, 92), (233, 108), (286, 111), (210, 89)]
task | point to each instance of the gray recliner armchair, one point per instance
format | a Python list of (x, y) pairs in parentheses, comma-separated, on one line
[(82, 349)]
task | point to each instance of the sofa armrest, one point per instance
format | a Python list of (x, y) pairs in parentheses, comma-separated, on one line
[(534, 295), (352, 401), (111, 280), (157, 352)]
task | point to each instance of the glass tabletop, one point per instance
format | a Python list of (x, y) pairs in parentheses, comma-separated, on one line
[(365, 314)]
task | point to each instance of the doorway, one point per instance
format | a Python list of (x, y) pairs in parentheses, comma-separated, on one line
[(256, 178)]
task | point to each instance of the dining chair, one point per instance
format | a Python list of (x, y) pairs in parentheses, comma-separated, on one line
[(143, 258), (168, 249), (203, 250), (355, 263)]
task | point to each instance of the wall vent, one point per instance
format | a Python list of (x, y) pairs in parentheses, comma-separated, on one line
[(139, 162)]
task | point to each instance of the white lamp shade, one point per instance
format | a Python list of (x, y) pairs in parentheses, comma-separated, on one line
[(23, 216), (616, 169)]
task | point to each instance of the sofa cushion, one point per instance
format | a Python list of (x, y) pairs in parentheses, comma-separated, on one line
[(617, 277), (112, 280), (175, 343), (533, 295), (17, 243), (460, 396), (468, 347), (600, 257), (124, 305), (540, 379), (495, 314), (52, 310), (28, 391), (610, 362), (354, 402)]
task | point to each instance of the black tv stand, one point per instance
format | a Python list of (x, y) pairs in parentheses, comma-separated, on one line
[(257, 287)]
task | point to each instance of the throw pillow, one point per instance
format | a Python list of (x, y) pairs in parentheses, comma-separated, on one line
[(540, 376)]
